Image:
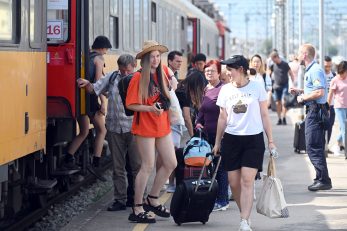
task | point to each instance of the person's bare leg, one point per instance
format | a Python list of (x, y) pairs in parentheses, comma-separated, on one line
[(167, 155), (99, 125), (246, 196), (234, 178), (146, 149), (279, 108), (83, 123)]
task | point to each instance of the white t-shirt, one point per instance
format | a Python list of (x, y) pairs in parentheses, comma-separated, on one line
[(242, 107), (258, 77)]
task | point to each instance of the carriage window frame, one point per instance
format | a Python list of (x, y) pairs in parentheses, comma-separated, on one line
[(35, 20), (114, 24), (15, 28), (153, 12)]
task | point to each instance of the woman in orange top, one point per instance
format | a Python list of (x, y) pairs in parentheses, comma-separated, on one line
[(148, 96)]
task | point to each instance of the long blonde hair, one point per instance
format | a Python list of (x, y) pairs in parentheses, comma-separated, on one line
[(145, 79)]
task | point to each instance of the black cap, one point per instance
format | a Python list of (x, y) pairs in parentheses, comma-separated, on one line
[(200, 57), (101, 42), (236, 61)]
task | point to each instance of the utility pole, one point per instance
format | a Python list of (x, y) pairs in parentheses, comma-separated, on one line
[(301, 73)]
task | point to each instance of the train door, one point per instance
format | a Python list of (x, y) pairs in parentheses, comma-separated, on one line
[(193, 35), (67, 25)]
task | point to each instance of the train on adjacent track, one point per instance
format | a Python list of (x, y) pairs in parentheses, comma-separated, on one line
[(44, 48)]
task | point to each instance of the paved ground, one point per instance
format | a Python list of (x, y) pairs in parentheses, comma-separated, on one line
[(308, 210)]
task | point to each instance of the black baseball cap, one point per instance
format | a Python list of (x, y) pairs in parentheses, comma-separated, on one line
[(236, 61)]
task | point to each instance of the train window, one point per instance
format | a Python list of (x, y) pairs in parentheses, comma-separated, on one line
[(137, 25), (154, 12), (35, 23), (145, 20), (9, 21), (126, 25), (58, 22), (182, 23), (114, 31)]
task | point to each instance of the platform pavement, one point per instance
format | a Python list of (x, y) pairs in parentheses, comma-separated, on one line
[(324, 210)]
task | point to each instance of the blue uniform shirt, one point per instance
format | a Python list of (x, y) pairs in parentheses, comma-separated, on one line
[(314, 80)]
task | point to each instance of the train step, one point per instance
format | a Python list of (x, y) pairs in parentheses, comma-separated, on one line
[(64, 172), (39, 184)]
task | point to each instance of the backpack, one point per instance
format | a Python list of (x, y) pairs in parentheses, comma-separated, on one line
[(123, 85), (195, 152)]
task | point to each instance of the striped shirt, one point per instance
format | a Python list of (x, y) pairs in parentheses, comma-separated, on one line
[(116, 120)]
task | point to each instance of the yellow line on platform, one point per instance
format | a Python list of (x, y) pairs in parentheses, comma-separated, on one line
[(163, 199)]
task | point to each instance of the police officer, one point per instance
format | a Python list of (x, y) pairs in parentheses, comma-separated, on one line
[(314, 96)]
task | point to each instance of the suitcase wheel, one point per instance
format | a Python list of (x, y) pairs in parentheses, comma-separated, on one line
[(203, 222), (179, 224)]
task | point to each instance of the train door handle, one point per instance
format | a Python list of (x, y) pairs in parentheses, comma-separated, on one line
[(26, 122)]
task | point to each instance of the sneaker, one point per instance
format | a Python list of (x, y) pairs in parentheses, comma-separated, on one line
[(244, 226), (220, 207), (284, 121), (171, 188), (116, 206), (279, 122)]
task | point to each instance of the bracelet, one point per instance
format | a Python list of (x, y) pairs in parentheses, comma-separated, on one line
[(270, 142)]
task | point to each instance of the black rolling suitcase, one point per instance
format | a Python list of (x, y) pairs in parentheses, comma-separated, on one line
[(299, 137), (194, 199)]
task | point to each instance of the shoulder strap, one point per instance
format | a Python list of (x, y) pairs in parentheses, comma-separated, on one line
[(113, 77)]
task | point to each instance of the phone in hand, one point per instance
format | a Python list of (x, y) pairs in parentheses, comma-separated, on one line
[(158, 105)]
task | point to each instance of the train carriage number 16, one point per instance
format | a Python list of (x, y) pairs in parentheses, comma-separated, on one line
[(54, 29)]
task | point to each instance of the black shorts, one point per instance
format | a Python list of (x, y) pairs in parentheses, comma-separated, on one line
[(242, 151)]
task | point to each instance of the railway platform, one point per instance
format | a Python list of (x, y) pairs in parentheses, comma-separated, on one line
[(322, 210)]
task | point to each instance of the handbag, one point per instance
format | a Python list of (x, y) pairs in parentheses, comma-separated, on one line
[(271, 202), (175, 111), (291, 101)]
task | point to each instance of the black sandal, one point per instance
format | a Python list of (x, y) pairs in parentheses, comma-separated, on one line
[(142, 217), (159, 210)]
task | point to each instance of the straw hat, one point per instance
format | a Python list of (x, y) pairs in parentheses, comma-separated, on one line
[(149, 46)]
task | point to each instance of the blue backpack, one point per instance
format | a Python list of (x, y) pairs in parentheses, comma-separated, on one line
[(195, 152)]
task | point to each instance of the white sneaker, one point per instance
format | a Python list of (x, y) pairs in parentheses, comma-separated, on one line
[(171, 188), (244, 226)]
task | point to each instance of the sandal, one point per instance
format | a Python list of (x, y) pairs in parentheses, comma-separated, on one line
[(142, 217), (159, 210)]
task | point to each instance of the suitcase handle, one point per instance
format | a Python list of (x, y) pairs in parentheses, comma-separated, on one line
[(214, 173)]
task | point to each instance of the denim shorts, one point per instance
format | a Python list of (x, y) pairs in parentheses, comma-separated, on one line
[(280, 93)]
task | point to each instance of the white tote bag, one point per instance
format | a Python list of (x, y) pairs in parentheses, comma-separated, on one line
[(271, 202), (175, 111)]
